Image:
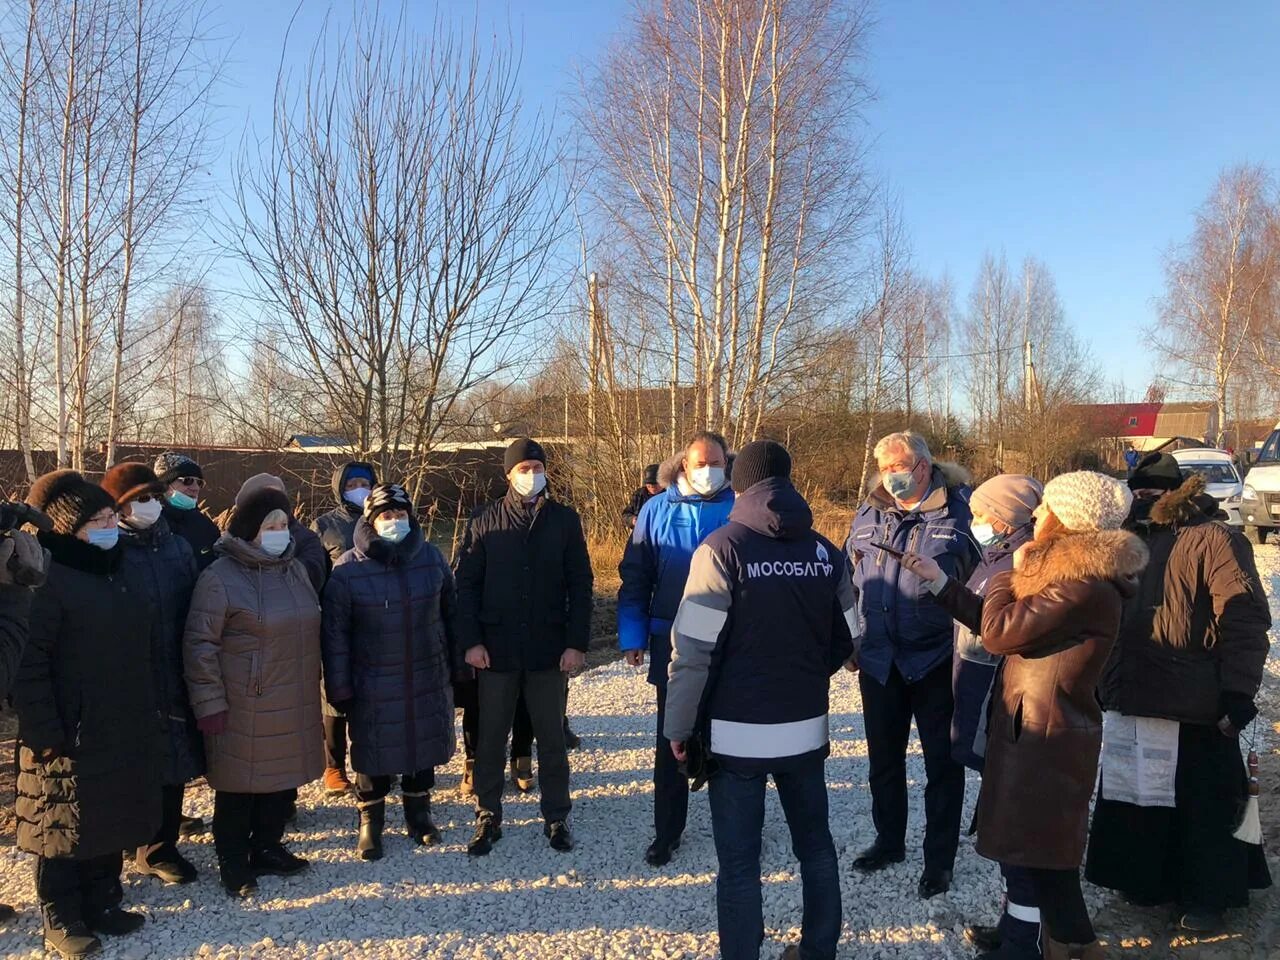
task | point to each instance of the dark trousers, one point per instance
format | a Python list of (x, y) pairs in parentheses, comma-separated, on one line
[(466, 695), (737, 819), (887, 710), (544, 693), (335, 742), (1185, 853), (75, 890), (1063, 913), (165, 842), (372, 789), (245, 823), (1020, 922), (670, 786)]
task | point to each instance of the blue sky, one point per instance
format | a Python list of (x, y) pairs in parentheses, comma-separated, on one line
[(1083, 133)]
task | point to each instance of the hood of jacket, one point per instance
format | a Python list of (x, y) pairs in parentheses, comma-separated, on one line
[(250, 554), (368, 542), (1114, 555), (1187, 505), (773, 508), (945, 478), (340, 483)]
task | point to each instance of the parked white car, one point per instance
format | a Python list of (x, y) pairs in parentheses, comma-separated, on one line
[(1222, 480)]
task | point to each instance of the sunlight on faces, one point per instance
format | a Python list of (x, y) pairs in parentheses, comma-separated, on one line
[(900, 459), (525, 468), (104, 519), (191, 486), (703, 453), (357, 483), (998, 525), (275, 520), (126, 508), (392, 515)]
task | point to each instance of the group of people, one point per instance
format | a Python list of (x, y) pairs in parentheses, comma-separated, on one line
[(1027, 629)]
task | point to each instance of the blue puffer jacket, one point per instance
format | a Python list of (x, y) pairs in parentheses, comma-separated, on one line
[(655, 566), (903, 626), (973, 669)]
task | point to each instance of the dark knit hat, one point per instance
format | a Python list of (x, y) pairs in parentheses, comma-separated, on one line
[(1156, 471), (128, 481), (760, 460), (68, 499), (169, 466), (521, 450), (247, 520), (651, 474), (387, 496)]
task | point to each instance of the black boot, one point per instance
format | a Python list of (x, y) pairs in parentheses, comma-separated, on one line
[(66, 932), (276, 861), (7, 913), (487, 834), (116, 922), (372, 818), (164, 861), (417, 818), (237, 879)]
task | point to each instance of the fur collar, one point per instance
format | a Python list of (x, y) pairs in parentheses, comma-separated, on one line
[(1182, 506), (71, 551), (1093, 555)]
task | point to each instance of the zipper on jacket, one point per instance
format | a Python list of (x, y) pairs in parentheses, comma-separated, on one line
[(406, 612)]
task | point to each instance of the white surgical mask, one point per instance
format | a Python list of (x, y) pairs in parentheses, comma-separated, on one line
[(357, 497), (706, 480), (529, 484), (984, 533), (104, 539), (144, 514), (393, 530), (275, 542)]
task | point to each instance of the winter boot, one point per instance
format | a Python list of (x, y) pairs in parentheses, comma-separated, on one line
[(522, 773), (417, 818), (571, 740), (1053, 950), (7, 913), (487, 834), (336, 782), (468, 786), (192, 826), (237, 879), (165, 862), (372, 818), (276, 861), (116, 922), (67, 933)]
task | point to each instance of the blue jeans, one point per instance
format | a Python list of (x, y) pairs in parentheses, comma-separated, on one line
[(737, 819)]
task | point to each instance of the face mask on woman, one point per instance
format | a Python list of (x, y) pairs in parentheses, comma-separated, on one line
[(984, 533), (103, 538), (357, 497), (392, 530), (275, 542), (181, 500), (706, 480), (144, 514), (529, 484)]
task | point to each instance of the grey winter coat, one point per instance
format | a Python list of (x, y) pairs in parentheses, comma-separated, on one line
[(336, 529), (389, 652), (252, 648), (161, 566), (84, 691)]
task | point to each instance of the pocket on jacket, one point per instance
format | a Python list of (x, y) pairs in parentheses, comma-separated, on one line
[(255, 675), (1015, 723)]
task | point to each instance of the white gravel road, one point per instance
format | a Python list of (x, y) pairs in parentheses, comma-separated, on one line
[(525, 900)]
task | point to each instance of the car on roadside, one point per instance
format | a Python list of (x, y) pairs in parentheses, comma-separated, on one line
[(1222, 479), (1260, 499)]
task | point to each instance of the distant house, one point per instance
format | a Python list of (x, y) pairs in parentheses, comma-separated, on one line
[(1145, 426)]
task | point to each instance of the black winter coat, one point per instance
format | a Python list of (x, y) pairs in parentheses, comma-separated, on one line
[(524, 583), (161, 567), (15, 614), (85, 691), (389, 650), (195, 527), (336, 529)]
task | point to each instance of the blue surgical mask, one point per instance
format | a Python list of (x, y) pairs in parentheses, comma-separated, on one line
[(181, 500), (104, 539), (275, 542), (357, 497), (984, 533), (393, 530), (899, 484)]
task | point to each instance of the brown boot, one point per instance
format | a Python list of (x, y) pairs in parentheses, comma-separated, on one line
[(336, 782), (468, 787), (522, 773)]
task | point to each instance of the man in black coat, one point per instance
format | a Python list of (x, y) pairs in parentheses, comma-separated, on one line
[(642, 495), (184, 484), (524, 603)]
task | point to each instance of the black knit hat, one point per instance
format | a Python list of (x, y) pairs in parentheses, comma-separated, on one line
[(760, 460), (169, 466), (387, 496), (128, 481), (68, 499), (1156, 471), (651, 474), (247, 520), (521, 450)]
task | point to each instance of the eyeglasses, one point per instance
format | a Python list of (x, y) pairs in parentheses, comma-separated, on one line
[(145, 498), (191, 481)]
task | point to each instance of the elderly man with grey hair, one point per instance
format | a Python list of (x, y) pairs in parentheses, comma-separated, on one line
[(921, 507)]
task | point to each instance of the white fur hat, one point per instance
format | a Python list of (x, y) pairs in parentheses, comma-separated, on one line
[(1084, 500)]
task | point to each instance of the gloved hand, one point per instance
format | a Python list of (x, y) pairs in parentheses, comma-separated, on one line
[(1237, 709), (214, 724), (30, 561)]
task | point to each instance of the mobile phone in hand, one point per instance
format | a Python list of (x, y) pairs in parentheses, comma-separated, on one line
[(891, 551)]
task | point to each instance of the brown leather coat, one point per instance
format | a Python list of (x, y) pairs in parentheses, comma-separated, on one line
[(1054, 620), (252, 648)]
